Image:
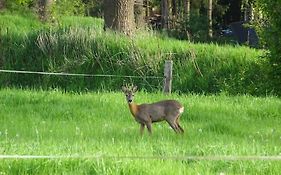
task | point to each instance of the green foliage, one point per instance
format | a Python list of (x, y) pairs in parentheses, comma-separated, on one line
[(80, 45), (271, 32), (78, 50), (195, 29), (100, 124), (67, 8), (94, 7), (13, 3), (18, 7)]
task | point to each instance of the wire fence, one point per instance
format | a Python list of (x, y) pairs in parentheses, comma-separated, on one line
[(165, 80), (181, 158), (144, 78), (81, 75)]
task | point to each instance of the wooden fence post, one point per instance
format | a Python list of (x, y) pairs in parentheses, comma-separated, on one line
[(168, 74)]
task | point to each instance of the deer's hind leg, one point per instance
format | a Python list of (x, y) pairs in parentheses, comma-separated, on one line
[(179, 126), (173, 125)]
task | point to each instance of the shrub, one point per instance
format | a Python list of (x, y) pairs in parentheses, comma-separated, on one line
[(203, 68), (271, 33)]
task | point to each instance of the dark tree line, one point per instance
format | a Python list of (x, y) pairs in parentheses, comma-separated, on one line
[(184, 19), (164, 14), (187, 17)]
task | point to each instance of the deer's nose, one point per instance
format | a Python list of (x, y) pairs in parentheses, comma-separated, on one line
[(130, 101)]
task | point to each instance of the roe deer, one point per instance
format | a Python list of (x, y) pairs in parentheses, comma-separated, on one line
[(146, 114)]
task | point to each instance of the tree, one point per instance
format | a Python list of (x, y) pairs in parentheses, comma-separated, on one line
[(186, 4), (174, 8), (164, 13), (210, 19), (271, 32), (93, 7), (147, 9), (43, 9), (119, 16), (196, 5), (186, 17), (139, 13), (2, 4)]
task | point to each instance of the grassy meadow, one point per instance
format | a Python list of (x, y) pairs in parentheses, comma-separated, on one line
[(37, 122), (82, 116)]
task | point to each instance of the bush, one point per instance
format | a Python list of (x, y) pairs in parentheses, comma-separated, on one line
[(195, 29), (67, 8), (271, 33), (200, 68)]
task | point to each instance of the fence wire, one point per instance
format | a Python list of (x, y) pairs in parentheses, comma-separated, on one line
[(81, 75), (181, 158)]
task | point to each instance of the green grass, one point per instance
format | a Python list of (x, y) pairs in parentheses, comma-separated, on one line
[(83, 22), (15, 23), (80, 45), (88, 50), (56, 123), (26, 22)]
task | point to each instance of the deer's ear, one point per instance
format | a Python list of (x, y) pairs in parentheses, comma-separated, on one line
[(135, 88), (124, 89)]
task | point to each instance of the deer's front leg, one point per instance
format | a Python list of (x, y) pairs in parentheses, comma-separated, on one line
[(148, 125), (141, 128)]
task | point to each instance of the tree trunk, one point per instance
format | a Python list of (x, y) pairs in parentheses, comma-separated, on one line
[(147, 11), (186, 4), (179, 9), (139, 14), (174, 16), (2, 4), (186, 17), (248, 12), (248, 18), (210, 19), (174, 8), (43, 9), (164, 13), (119, 15)]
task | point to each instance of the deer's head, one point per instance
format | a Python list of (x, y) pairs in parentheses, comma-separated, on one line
[(129, 92)]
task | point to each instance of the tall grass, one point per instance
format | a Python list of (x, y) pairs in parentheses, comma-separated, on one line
[(19, 23), (80, 45), (56, 123)]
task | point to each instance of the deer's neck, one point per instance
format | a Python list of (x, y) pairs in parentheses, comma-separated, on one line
[(133, 108)]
